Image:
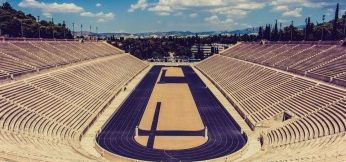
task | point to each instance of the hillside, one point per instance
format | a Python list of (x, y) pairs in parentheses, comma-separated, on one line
[(15, 23)]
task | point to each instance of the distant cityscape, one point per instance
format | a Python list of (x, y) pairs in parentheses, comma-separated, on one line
[(181, 34)]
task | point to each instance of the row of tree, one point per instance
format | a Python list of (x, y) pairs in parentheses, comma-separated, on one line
[(331, 30), (152, 47), (146, 48), (15, 23)]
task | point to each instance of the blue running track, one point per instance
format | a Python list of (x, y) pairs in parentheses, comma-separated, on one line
[(223, 132)]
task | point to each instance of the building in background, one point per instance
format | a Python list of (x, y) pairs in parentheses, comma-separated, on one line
[(207, 50), (218, 48)]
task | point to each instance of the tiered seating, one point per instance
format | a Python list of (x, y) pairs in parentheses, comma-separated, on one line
[(328, 148), (3, 74), (332, 68), (42, 117), (13, 51), (21, 57), (50, 58), (11, 65), (328, 121), (320, 135), (320, 61), (260, 94)]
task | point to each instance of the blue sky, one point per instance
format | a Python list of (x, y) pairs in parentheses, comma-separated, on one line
[(172, 15)]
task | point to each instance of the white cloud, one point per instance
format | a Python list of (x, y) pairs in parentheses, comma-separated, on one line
[(281, 8), (101, 16), (331, 11), (193, 15), (98, 4), (227, 13), (47, 15), (160, 8), (189, 3), (230, 11), (141, 4), (283, 20), (293, 13), (235, 8), (293, 8), (49, 8), (164, 13), (178, 14), (301, 3), (217, 22), (87, 14), (213, 19)]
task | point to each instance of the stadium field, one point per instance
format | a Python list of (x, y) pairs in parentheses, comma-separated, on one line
[(172, 108)]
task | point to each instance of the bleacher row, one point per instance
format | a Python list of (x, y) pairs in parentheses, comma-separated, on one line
[(260, 94), (22, 57), (326, 62), (42, 117)]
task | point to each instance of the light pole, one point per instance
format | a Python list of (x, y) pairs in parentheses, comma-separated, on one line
[(63, 28), (97, 34), (73, 29), (90, 32), (81, 30)]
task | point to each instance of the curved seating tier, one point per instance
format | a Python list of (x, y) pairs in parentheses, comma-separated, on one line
[(328, 148), (42, 117), (320, 61), (260, 94), (22, 57)]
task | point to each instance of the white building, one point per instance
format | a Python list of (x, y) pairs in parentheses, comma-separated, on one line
[(208, 49), (217, 47), (204, 49)]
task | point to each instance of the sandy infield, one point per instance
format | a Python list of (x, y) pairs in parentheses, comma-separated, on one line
[(178, 112), (174, 72)]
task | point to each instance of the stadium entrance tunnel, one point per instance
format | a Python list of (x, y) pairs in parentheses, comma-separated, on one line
[(145, 127)]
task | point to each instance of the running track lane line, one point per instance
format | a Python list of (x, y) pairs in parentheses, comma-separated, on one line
[(153, 129)]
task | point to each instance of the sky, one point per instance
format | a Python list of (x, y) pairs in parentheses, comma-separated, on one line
[(134, 16)]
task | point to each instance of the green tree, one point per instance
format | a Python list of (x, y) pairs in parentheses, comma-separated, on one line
[(260, 32), (335, 23), (12, 22), (275, 34)]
